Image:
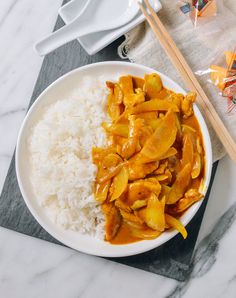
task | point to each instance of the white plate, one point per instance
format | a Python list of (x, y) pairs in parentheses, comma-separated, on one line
[(62, 88), (93, 43)]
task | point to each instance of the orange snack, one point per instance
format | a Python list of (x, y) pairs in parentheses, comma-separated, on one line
[(218, 76)]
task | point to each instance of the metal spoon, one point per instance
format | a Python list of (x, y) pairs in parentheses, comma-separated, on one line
[(93, 12)]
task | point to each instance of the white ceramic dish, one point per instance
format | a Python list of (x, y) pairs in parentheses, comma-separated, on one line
[(92, 43), (62, 88)]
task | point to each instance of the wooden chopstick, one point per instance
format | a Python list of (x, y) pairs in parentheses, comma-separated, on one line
[(182, 66)]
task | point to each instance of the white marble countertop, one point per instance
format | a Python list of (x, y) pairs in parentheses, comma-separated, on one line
[(34, 268)]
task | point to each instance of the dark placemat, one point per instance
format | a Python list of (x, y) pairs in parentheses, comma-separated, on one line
[(171, 259)]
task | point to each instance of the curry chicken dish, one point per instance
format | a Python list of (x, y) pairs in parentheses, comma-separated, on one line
[(152, 167)]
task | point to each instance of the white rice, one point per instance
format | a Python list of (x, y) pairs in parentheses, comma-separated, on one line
[(62, 172)]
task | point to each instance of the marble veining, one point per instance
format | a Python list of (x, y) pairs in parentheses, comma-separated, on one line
[(205, 254), (34, 268)]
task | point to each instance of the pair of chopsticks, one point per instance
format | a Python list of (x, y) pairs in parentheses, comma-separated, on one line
[(185, 71)]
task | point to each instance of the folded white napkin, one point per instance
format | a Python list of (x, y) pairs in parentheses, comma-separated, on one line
[(199, 49)]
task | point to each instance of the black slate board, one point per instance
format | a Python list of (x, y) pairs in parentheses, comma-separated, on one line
[(171, 259)]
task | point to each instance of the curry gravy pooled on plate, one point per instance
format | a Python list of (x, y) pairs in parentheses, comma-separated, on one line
[(151, 168)]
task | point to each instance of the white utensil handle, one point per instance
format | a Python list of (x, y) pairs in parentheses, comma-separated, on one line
[(60, 37)]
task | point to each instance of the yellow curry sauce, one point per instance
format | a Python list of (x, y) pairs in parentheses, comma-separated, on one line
[(150, 171)]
